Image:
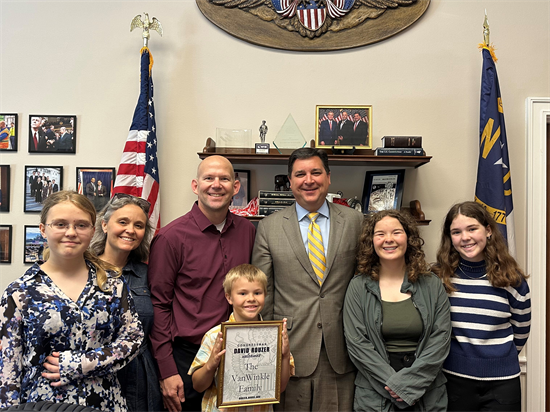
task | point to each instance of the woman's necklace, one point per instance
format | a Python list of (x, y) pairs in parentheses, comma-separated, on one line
[(481, 277)]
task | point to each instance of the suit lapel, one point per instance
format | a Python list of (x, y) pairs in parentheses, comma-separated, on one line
[(292, 232), (337, 223)]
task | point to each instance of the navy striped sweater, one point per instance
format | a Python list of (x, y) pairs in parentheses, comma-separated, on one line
[(489, 325)]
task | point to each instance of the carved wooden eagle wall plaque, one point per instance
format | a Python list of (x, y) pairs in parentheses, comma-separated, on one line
[(313, 25)]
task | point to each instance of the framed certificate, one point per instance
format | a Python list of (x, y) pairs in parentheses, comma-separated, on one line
[(250, 370), (383, 190)]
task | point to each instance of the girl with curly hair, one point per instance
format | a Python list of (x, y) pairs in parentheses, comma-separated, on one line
[(491, 311), (396, 320)]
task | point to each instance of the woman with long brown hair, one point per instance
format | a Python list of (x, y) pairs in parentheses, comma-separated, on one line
[(122, 238), (396, 320), (490, 311), (68, 324)]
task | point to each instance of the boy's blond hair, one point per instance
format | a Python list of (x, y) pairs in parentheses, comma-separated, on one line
[(250, 272)]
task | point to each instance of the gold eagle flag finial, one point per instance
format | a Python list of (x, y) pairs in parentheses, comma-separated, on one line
[(146, 25)]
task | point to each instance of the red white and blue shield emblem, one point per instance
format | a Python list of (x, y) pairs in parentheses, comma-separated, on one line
[(311, 15)]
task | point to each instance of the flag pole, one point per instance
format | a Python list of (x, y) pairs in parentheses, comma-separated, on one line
[(138, 171)]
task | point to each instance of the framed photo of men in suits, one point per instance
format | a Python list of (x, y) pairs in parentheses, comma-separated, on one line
[(52, 134), (8, 132), (40, 183), (96, 183), (343, 127)]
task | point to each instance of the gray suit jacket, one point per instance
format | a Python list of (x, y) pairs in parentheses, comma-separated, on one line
[(314, 312)]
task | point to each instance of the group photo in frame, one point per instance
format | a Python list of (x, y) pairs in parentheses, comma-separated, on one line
[(96, 183), (242, 198), (40, 183), (250, 369), (35, 244), (5, 188), (5, 243), (52, 134), (383, 190), (8, 132), (344, 127)]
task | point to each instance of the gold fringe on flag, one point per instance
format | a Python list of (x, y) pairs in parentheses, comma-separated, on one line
[(145, 48), (491, 49)]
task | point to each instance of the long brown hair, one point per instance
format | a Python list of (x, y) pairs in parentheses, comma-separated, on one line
[(368, 262), (502, 268), (86, 206), (97, 245)]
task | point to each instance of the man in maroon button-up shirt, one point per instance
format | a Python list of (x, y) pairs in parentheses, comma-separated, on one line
[(188, 262)]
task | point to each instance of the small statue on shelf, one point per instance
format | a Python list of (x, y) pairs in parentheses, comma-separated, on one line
[(263, 131)]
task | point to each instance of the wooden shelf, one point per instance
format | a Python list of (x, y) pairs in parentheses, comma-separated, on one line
[(359, 158)]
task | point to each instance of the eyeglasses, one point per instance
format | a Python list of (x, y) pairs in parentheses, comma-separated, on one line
[(144, 204), (62, 227)]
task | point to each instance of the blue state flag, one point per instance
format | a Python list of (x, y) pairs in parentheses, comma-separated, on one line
[(494, 181)]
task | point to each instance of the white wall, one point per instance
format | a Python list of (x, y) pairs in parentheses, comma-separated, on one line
[(78, 57)]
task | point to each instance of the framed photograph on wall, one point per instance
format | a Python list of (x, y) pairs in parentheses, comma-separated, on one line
[(5, 188), (383, 190), (34, 244), (41, 182), (8, 132), (242, 198), (52, 134), (344, 127), (5, 243), (96, 183)]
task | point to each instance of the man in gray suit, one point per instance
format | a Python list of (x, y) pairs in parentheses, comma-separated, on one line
[(311, 298)]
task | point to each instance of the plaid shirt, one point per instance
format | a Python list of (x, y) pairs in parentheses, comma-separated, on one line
[(210, 397)]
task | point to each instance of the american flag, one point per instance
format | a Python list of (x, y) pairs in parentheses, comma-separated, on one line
[(138, 173)]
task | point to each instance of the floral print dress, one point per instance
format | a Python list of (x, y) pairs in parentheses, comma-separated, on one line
[(96, 336)]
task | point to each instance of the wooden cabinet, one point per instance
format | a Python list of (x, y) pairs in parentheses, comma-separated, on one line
[(359, 158)]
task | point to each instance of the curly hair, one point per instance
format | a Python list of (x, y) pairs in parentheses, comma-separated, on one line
[(368, 262), (97, 245), (502, 268), (85, 205)]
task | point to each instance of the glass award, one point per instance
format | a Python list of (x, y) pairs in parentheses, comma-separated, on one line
[(237, 138), (290, 136)]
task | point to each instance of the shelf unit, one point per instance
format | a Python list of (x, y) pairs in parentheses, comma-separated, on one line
[(359, 158)]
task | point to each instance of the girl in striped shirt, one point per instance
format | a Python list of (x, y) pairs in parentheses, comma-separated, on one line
[(490, 312)]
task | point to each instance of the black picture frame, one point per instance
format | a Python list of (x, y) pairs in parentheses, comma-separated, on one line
[(34, 245), (53, 133), (107, 177), (383, 190), (5, 188), (5, 243), (33, 201), (347, 135), (242, 198), (10, 127)]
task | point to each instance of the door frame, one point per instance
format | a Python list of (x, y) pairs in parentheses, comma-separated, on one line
[(537, 116)]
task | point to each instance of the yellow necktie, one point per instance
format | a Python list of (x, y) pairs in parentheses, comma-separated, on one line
[(316, 249)]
